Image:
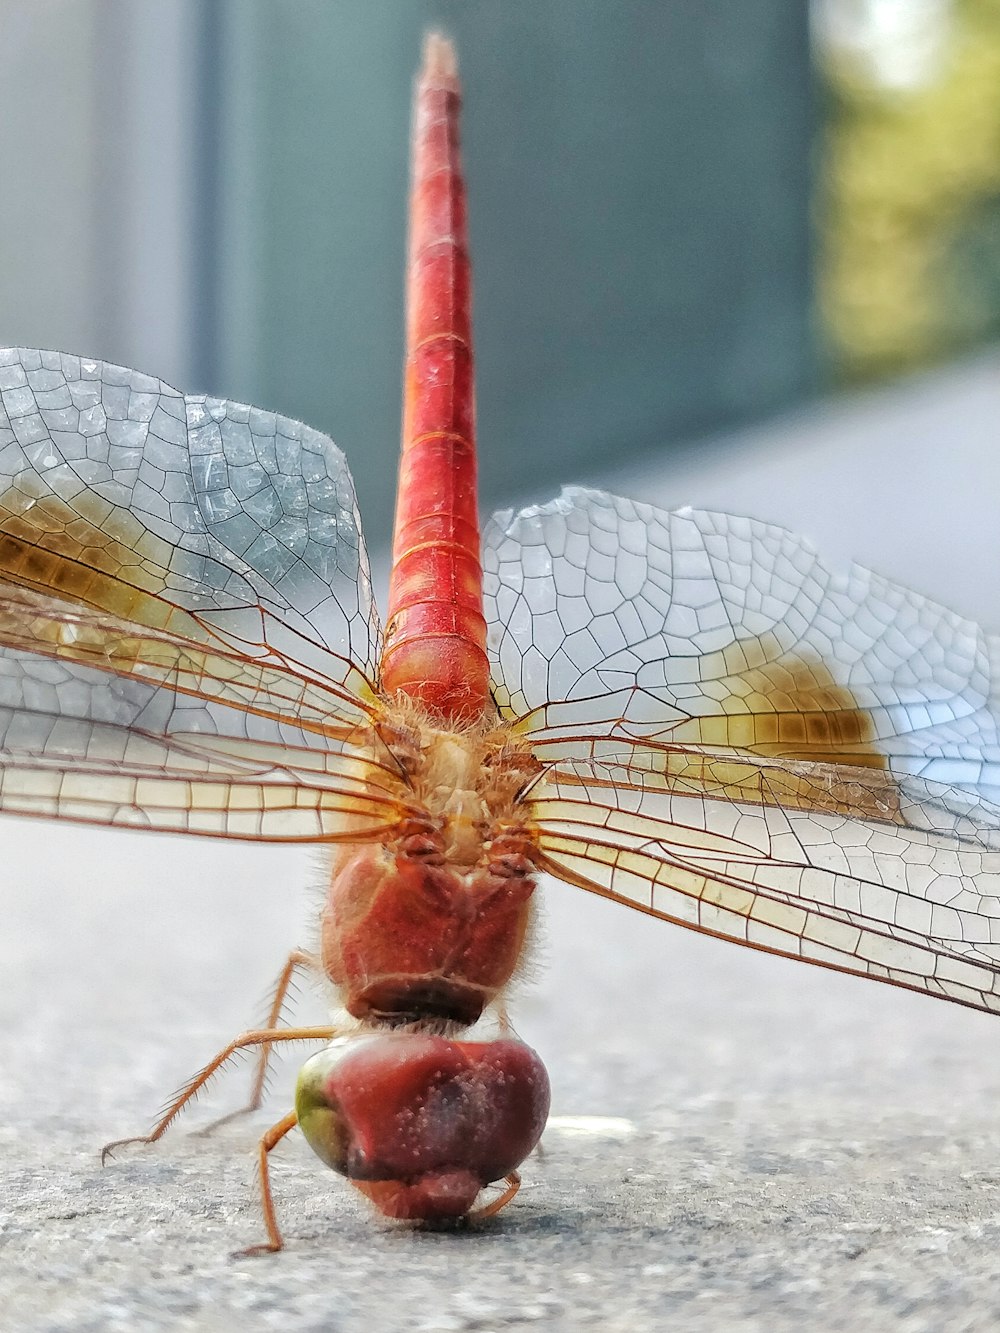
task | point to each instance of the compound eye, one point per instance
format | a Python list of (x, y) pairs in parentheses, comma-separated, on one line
[(420, 1124)]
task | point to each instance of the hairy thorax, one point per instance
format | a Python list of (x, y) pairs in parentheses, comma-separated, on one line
[(428, 923)]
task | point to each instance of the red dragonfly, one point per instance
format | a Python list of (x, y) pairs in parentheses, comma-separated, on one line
[(684, 712)]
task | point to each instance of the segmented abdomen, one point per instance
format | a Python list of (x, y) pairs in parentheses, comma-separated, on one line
[(435, 643)]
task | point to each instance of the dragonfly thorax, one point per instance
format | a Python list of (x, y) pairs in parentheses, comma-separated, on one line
[(408, 938), (429, 925)]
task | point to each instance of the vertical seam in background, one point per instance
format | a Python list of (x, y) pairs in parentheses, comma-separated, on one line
[(205, 202)]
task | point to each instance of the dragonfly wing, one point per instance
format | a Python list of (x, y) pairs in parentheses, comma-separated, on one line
[(911, 897), (203, 518), (99, 773), (610, 617), (186, 624), (64, 657), (739, 740)]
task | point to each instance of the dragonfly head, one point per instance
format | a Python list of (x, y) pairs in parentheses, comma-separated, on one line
[(420, 1124)]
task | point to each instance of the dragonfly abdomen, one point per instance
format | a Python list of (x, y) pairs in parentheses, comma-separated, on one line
[(435, 642)]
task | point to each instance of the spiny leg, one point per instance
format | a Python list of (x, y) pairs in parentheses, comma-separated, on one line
[(501, 1201), (298, 958), (269, 1141), (191, 1089)]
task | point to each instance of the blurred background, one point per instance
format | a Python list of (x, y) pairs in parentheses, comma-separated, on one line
[(684, 218)]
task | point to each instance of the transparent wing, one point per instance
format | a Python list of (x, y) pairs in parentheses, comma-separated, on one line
[(173, 568), (849, 871), (612, 618), (197, 516), (741, 741), (118, 670), (97, 773)]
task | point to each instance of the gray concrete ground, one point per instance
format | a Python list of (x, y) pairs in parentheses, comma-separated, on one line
[(740, 1142)]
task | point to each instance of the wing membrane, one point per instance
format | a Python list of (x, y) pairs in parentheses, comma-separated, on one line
[(187, 632), (911, 896), (206, 520), (743, 742), (81, 637), (214, 786), (609, 617)]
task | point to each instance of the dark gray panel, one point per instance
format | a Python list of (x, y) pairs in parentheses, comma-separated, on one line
[(639, 193)]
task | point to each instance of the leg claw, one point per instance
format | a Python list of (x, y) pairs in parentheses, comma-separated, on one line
[(255, 1251), (109, 1149)]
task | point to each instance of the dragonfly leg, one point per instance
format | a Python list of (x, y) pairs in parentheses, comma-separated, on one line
[(246, 1040), (501, 1201), (297, 959), (268, 1141)]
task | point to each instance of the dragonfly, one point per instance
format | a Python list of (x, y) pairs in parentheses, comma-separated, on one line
[(687, 713)]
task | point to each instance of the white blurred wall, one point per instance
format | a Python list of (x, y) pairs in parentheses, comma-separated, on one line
[(98, 118)]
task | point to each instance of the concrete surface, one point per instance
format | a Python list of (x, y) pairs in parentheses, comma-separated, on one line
[(741, 1142)]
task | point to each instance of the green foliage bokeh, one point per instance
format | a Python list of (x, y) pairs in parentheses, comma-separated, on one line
[(909, 264)]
